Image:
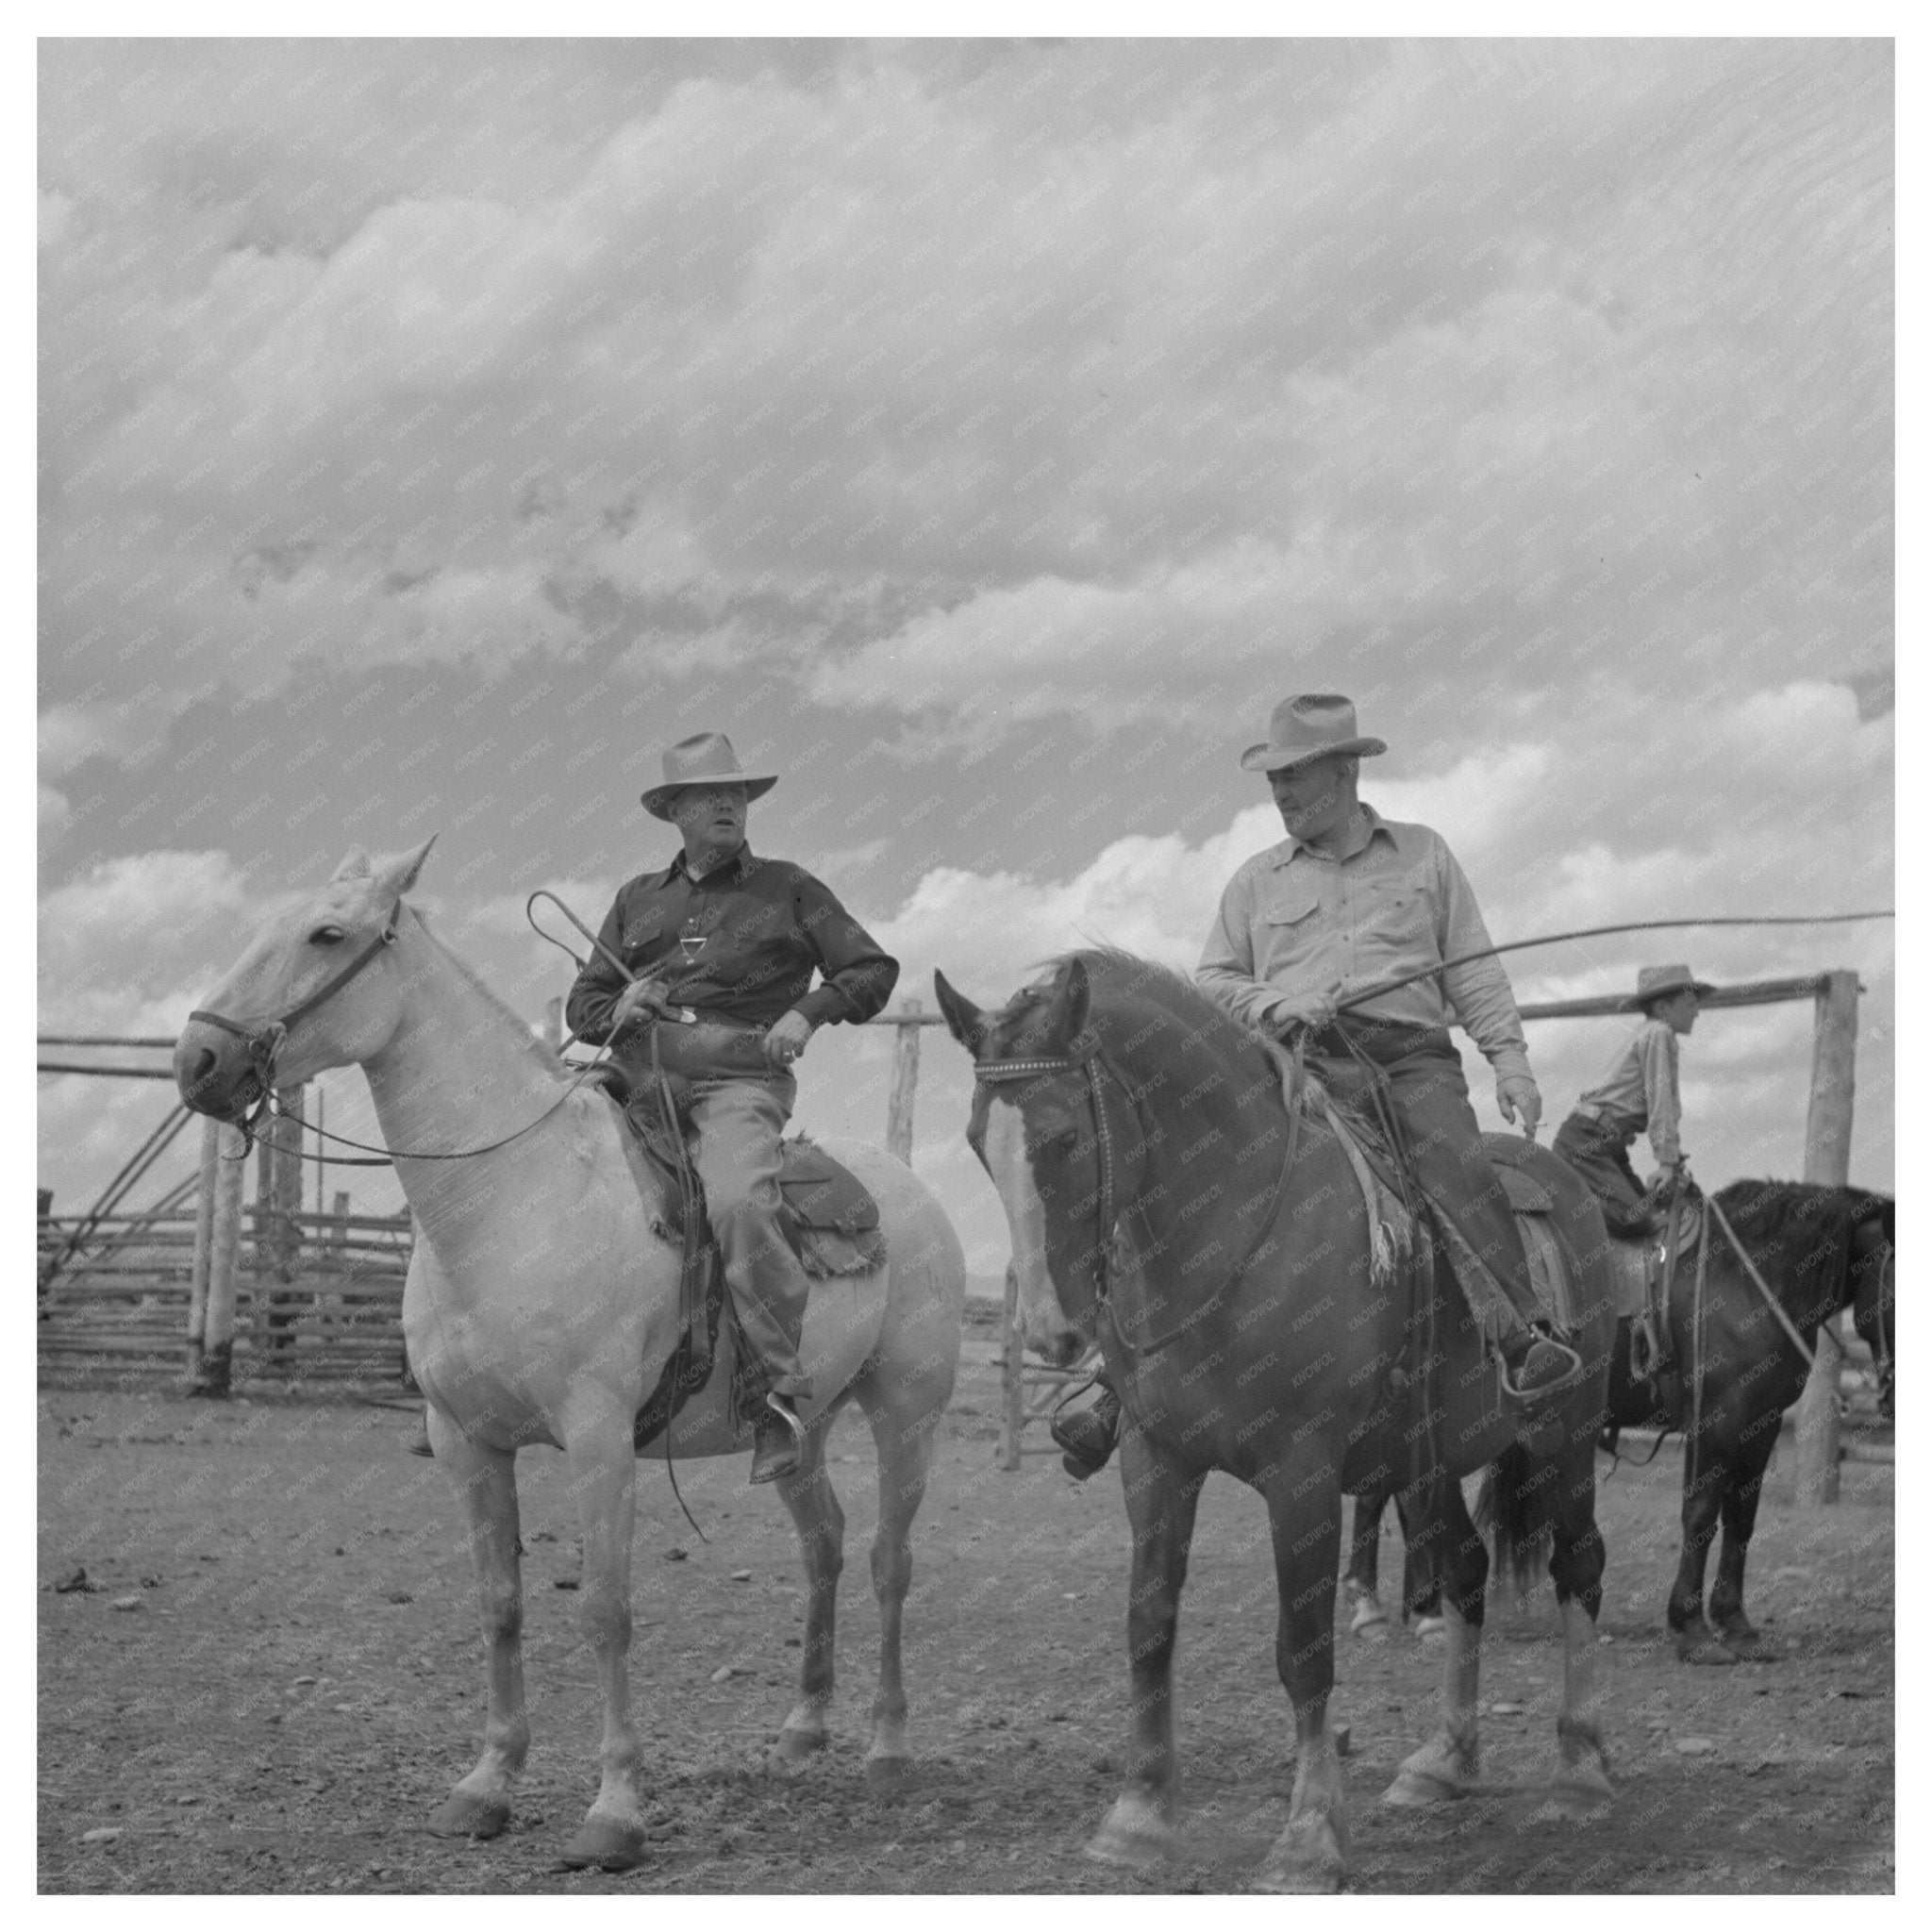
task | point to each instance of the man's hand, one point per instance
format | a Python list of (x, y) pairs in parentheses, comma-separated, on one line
[(1517, 1096), (1664, 1180), (1312, 1010), (641, 996), (787, 1038)]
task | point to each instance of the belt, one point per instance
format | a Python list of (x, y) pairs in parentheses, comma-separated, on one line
[(695, 1016)]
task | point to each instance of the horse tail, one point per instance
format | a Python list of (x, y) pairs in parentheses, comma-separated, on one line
[(1510, 1507)]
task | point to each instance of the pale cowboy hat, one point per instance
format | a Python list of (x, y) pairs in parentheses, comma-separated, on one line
[(705, 759), (1660, 982), (1316, 724)]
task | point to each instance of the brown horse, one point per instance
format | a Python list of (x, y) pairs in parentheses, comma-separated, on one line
[(1164, 1198)]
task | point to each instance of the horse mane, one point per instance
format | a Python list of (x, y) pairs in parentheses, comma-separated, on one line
[(473, 979), (1806, 1224), (1115, 973)]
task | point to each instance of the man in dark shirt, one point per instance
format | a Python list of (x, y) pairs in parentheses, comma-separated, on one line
[(723, 946)]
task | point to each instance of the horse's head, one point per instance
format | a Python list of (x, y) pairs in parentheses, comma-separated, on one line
[(1038, 1128), (1874, 1258), (312, 991)]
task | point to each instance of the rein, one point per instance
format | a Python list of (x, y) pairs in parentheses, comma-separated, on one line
[(266, 1039), (1085, 1053)]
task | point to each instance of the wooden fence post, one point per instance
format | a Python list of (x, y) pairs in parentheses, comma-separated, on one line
[(904, 1083), (278, 1228), (224, 1248), (1828, 1160), (204, 1243)]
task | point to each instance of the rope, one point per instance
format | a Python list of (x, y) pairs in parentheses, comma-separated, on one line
[(1592, 932), (1770, 1301)]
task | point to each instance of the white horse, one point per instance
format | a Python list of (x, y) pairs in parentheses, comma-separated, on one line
[(541, 1305)]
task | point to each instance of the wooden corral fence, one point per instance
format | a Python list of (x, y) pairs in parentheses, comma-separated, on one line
[(249, 1285)]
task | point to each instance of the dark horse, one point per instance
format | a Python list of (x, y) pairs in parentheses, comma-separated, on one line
[(1819, 1249), (1164, 1198)]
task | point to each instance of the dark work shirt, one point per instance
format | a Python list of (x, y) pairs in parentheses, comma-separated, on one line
[(765, 924)]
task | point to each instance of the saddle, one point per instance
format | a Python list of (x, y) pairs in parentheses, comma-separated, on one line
[(830, 1218)]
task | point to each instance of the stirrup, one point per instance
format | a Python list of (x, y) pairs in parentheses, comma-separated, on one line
[(772, 1458), (1541, 1397)]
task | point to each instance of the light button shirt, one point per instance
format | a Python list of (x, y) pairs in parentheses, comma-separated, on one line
[(1639, 1091), (1293, 921)]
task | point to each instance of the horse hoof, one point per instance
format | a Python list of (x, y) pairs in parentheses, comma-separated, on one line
[(1134, 1834), (1303, 1861), (887, 1778), (1418, 1789), (1370, 1620), (1427, 1627), (794, 1751), (461, 1815), (1748, 1647), (606, 1843), (1581, 1791)]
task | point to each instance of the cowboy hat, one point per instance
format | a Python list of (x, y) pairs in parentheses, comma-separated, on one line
[(705, 759), (1316, 724), (1660, 982)]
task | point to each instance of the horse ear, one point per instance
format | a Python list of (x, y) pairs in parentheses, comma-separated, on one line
[(354, 865), (1071, 1000), (399, 873), (965, 1021)]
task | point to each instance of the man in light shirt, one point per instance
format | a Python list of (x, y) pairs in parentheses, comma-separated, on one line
[(1350, 899), (1639, 1095)]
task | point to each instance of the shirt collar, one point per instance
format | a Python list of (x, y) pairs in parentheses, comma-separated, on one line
[(1373, 821), (733, 868)]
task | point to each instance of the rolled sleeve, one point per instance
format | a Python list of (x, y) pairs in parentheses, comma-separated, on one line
[(1659, 1063), (598, 983), (1478, 992), (1226, 970), (858, 975)]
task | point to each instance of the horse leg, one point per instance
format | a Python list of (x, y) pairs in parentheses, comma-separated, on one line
[(820, 1523), (1422, 1590), (486, 1480), (1305, 1515), (1366, 1614), (1703, 1500), (603, 1472), (1161, 1501), (1445, 1766), (1739, 1512), (1577, 1569), (904, 1433)]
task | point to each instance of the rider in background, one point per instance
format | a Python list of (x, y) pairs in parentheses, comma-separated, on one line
[(723, 946), (1637, 1095)]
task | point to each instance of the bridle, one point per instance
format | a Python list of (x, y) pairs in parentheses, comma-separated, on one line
[(265, 1038), (1084, 1054)]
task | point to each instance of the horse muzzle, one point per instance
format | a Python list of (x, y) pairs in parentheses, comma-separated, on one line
[(220, 1074)]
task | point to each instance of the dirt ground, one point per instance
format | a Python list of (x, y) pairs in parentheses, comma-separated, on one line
[(276, 1675)]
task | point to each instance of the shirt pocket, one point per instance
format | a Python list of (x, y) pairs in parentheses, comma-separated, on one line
[(1402, 924), (1290, 904)]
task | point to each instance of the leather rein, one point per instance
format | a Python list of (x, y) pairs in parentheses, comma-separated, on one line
[(266, 1038), (1085, 1055)]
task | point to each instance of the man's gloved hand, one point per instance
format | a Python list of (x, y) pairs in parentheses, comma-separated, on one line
[(1517, 1096), (787, 1038), (639, 996), (1664, 1180), (1312, 1010)]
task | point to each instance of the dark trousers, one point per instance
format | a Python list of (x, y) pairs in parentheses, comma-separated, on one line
[(1431, 1098), (1601, 1153)]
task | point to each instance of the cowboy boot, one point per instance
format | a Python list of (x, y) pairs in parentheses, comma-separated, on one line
[(1089, 1435), (779, 1439)]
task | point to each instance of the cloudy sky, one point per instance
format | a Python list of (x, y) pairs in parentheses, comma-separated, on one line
[(985, 435)]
